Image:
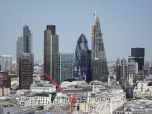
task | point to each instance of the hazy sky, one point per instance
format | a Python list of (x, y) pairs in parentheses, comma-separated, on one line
[(124, 24)]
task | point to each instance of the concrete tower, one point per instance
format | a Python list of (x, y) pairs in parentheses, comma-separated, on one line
[(51, 49)]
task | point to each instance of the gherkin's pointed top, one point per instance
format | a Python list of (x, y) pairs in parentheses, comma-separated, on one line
[(82, 38)]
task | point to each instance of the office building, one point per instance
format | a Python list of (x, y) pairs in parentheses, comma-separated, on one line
[(82, 59), (51, 48), (5, 62), (26, 61), (98, 58), (27, 39), (64, 63), (138, 54), (19, 51), (23, 45)]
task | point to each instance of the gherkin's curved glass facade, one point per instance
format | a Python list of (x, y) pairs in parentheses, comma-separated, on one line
[(83, 59)]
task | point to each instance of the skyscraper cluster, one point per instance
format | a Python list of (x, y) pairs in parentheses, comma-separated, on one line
[(91, 64), (25, 59), (87, 65)]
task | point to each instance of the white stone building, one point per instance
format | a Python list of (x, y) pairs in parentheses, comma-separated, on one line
[(41, 87), (143, 88), (103, 99), (34, 100), (141, 106), (61, 100)]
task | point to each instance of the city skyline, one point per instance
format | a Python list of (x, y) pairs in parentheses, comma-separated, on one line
[(128, 22)]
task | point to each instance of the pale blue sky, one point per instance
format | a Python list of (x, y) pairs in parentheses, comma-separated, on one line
[(124, 24)]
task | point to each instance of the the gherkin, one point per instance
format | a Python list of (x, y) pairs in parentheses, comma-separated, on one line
[(82, 59), (98, 57)]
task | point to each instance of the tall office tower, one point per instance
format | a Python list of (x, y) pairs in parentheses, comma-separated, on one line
[(26, 61), (82, 59), (138, 54), (124, 69), (27, 39), (19, 51), (64, 63), (118, 70), (51, 48), (5, 62), (98, 59)]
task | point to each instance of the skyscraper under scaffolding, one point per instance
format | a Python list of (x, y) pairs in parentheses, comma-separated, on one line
[(98, 58)]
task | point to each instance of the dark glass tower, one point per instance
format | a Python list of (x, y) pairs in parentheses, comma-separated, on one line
[(27, 39), (99, 61), (138, 55), (51, 49), (26, 61), (82, 59)]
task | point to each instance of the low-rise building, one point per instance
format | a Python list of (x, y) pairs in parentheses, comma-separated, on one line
[(141, 106), (34, 100), (143, 88), (42, 87), (103, 99)]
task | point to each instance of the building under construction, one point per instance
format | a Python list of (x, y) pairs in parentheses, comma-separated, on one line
[(98, 56)]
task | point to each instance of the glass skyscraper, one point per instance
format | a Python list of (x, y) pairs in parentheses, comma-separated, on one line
[(82, 60), (27, 37), (98, 61), (63, 66), (138, 54)]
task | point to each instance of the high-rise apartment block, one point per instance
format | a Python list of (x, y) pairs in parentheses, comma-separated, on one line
[(26, 61), (51, 48), (98, 58)]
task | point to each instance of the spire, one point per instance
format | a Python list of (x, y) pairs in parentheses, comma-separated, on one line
[(95, 12)]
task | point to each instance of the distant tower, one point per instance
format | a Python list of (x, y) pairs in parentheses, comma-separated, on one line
[(5, 62), (83, 59), (64, 67), (26, 61), (27, 39), (98, 57), (138, 55), (51, 49), (19, 51)]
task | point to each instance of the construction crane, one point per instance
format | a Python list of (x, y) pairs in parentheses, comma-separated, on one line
[(4, 81), (72, 98)]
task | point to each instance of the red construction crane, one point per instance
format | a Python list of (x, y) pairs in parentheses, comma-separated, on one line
[(4, 81), (72, 98)]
